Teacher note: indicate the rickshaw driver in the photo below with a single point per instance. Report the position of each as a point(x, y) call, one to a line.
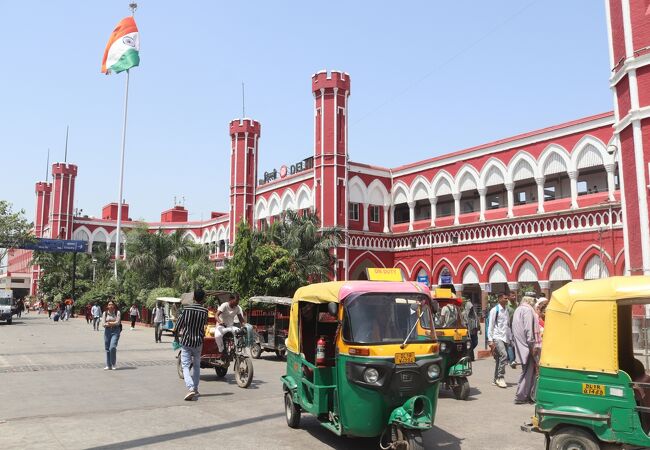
point(226, 314)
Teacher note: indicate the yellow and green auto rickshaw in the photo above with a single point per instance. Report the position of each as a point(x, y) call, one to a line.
point(454, 341)
point(362, 357)
point(593, 385)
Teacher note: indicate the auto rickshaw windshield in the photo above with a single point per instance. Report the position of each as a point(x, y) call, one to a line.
point(382, 318)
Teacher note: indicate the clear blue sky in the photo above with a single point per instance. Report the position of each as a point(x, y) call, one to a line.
point(427, 78)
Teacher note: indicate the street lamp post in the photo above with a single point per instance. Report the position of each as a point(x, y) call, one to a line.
point(94, 263)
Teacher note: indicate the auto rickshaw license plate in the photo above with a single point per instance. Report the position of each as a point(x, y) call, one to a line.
point(405, 358)
point(593, 389)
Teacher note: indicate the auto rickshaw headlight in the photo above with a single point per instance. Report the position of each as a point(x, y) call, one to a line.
point(370, 375)
point(443, 346)
point(433, 371)
point(469, 344)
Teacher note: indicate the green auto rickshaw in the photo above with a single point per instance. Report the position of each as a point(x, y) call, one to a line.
point(362, 357)
point(594, 383)
point(454, 341)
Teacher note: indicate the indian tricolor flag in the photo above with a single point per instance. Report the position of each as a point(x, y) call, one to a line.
point(122, 49)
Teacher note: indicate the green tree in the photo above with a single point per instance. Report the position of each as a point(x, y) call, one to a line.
point(154, 256)
point(15, 229)
point(309, 245)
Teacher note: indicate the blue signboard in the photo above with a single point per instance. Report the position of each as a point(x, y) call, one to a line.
point(58, 246)
point(445, 279)
point(424, 279)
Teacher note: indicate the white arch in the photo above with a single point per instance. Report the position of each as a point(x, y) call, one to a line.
point(274, 205)
point(206, 237)
point(190, 234)
point(303, 197)
point(494, 173)
point(99, 235)
point(357, 190)
point(470, 275)
point(498, 274)
point(401, 193)
point(555, 159)
point(589, 151)
point(82, 234)
point(527, 273)
point(420, 189)
point(522, 166)
point(595, 268)
point(560, 271)
point(261, 209)
point(467, 179)
point(112, 238)
point(213, 235)
point(288, 200)
point(443, 184)
point(222, 235)
point(378, 194)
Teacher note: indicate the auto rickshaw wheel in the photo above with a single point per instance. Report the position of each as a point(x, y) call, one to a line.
point(292, 411)
point(243, 372)
point(221, 371)
point(573, 438)
point(256, 351)
point(414, 439)
point(461, 389)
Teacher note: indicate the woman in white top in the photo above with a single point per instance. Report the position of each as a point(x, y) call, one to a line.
point(112, 328)
point(135, 314)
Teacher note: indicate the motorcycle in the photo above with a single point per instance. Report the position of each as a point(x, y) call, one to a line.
point(235, 342)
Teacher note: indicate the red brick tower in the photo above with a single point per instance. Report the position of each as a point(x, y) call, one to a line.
point(331, 91)
point(62, 200)
point(629, 38)
point(244, 135)
point(42, 214)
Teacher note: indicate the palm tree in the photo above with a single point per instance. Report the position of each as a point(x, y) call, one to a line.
point(155, 255)
point(308, 244)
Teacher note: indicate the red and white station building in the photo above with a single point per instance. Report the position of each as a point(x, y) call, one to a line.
point(562, 203)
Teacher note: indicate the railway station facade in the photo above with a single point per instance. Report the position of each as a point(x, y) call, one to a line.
point(538, 209)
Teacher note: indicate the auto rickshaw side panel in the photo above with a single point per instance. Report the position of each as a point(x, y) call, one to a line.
point(314, 386)
point(606, 404)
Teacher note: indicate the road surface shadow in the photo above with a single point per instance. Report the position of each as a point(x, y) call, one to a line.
point(434, 439)
point(134, 443)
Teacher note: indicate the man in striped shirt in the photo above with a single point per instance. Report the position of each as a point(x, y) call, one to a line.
point(190, 330)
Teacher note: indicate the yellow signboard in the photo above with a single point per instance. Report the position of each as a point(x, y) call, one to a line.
point(384, 274)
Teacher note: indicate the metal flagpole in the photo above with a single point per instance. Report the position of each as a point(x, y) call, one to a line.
point(119, 198)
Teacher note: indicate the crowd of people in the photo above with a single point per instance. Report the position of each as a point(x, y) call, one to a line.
point(514, 336)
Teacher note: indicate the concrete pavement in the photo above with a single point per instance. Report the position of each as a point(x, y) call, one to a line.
point(56, 395)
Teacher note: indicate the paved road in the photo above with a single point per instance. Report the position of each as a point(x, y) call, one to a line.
point(56, 395)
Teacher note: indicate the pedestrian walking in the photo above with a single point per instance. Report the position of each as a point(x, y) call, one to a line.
point(96, 312)
point(134, 314)
point(158, 318)
point(50, 308)
point(512, 306)
point(88, 313)
point(470, 320)
point(499, 338)
point(112, 328)
point(527, 343)
point(20, 306)
point(190, 330)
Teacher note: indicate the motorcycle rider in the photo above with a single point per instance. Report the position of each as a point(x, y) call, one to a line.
point(226, 314)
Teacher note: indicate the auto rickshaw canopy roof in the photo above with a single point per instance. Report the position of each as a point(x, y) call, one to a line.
point(336, 292)
point(270, 300)
point(581, 325)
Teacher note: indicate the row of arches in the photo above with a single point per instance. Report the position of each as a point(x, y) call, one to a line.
point(556, 174)
point(214, 238)
point(290, 200)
